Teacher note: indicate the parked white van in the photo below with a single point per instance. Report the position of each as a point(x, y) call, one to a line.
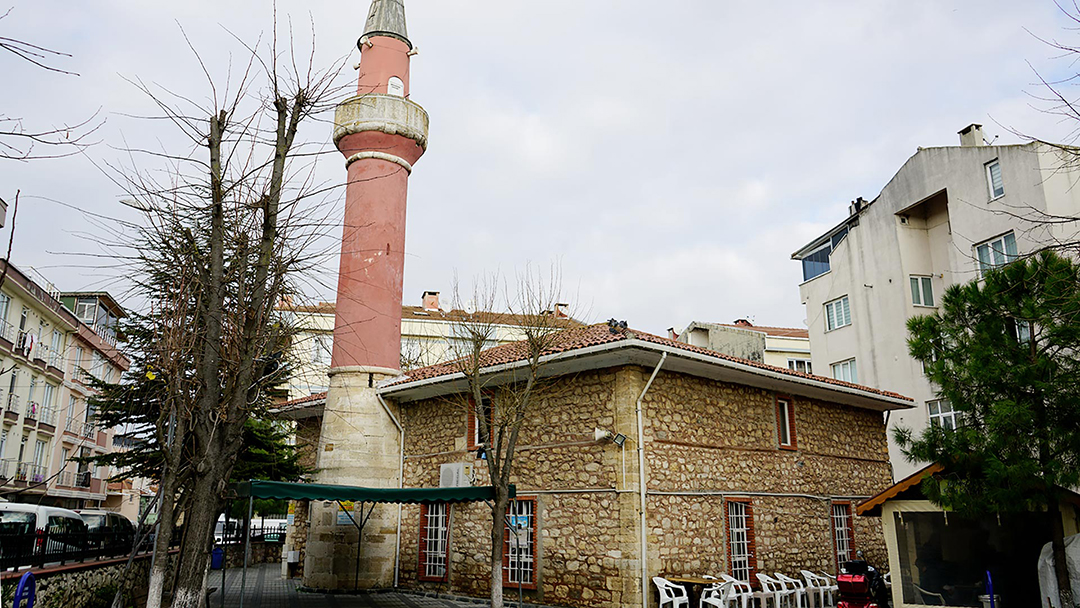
point(28, 531)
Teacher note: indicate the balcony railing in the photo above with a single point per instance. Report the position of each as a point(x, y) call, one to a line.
point(82, 479)
point(73, 426)
point(47, 414)
point(33, 409)
point(30, 472)
point(7, 469)
point(55, 359)
point(8, 331)
point(13, 403)
point(89, 431)
point(66, 479)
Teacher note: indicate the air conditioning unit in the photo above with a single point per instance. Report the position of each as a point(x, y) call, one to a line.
point(456, 475)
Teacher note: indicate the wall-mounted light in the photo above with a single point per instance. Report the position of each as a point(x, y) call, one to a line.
point(617, 438)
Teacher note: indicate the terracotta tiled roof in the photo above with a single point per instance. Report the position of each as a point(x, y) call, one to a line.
point(779, 332)
point(419, 313)
point(301, 402)
point(594, 335)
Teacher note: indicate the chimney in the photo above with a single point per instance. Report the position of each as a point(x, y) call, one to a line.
point(431, 300)
point(671, 334)
point(561, 309)
point(743, 323)
point(971, 135)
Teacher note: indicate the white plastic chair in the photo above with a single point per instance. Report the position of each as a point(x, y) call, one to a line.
point(830, 580)
point(772, 589)
point(741, 593)
point(816, 588)
point(797, 588)
point(670, 593)
point(716, 594)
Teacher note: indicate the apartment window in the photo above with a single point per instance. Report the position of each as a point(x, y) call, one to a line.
point(922, 291)
point(740, 523)
point(80, 352)
point(86, 310)
point(39, 452)
point(785, 423)
point(845, 370)
point(478, 436)
point(5, 306)
point(71, 411)
point(3, 442)
point(320, 351)
point(434, 541)
point(817, 263)
point(942, 414)
point(996, 252)
point(1021, 330)
point(47, 398)
point(24, 317)
point(993, 179)
point(837, 313)
point(519, 548)
point(843, 537)
point(800, 365)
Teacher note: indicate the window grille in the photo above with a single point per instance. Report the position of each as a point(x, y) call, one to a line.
point(740, 536)
point(519, 550)
point(435, 541)
point(842, 533)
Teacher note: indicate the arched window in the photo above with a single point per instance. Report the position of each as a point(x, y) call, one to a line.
point(395, 86)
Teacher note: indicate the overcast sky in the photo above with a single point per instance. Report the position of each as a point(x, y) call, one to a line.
point(669, 155)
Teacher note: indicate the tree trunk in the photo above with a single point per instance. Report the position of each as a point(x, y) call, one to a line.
point(1057, 548)
point(201, 517)
point(498, 529)
point(161, 542)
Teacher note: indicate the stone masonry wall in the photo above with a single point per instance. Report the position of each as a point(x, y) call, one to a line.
point(79, 585)
point(704, 440)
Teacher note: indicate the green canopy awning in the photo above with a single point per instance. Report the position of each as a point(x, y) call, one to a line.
point(319, 491)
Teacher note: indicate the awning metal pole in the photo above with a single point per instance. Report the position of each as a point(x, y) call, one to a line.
point(247, 547)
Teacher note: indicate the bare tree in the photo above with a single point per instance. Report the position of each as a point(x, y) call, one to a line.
point(227, 229)
point(501, 403)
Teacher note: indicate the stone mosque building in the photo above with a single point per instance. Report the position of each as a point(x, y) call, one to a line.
point(646, 456)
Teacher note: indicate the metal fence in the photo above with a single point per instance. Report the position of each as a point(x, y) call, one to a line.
point(19, 549)
point(234, 534)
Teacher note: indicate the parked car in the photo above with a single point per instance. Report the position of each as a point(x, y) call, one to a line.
point(29, 530)
point(109, 531)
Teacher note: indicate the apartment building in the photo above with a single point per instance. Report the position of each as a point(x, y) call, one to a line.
point(45, 348)
point(948, 215)
point(427, 337)
point(778, 346)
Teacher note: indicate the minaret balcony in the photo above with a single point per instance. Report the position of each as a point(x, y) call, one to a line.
point(388, 114)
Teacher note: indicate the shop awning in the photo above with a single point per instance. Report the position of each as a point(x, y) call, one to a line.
point(318, 491)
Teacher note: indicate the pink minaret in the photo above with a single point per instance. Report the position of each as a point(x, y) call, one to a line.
point(381, 134)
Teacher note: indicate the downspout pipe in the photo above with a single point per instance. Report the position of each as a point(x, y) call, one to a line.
point(401, 484)
point(641, 484)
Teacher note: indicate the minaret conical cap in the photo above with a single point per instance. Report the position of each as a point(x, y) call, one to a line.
point(387, 18)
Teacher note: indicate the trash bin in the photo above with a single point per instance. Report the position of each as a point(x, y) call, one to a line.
point(985, 599)
point(217, 558)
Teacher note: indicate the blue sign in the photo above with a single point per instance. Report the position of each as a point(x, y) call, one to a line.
point(25, 591)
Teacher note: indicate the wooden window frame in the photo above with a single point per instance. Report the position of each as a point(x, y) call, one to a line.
point(851, 530)
point(751, 541)
point(421, 571)
point(783, 402)
point(472, 425)
point(531, 585)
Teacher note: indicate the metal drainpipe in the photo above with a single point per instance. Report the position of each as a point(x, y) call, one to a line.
point(401, 484)
point(641, 485)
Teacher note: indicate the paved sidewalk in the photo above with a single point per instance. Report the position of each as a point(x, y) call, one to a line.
point(266, 589)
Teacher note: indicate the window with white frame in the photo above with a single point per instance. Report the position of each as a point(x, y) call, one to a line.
point(837, 313)
point(845, 370)
point(3, 442)
point(922, 291)
point(785, 423)
point(996, 252)
point(519, 550)
point(740, 522)
point(800, 365)
point(993, 179)
point(40, 448)
point(842, 533)
point(434, 541)
point(5, 306)
point(1021, 330)
point(942, 414)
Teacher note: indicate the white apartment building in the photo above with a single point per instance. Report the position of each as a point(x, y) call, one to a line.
point(779, 346)
point(948, 214)
point(45, 350)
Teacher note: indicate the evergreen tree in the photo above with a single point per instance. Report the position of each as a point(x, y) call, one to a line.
point(1004, 352)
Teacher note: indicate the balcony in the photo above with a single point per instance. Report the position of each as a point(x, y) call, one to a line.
point(13, 402)
point(82, 479)
point(33, 409)
point(7, 469)
point(73, 426)
point(29, 472)
point(8, 331)
point(47, 415)
point(89, 431)
point(66, 479)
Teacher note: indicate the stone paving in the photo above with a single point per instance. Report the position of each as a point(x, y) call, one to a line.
point(266, 589)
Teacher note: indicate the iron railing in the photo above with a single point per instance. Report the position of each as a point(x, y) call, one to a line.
point(29, 472)
point(21, 547)
point(33, 409)
point(13, 403)
point(73, 426)
point(7, 469)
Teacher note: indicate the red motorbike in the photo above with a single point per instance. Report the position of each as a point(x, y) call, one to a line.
point(859, 585)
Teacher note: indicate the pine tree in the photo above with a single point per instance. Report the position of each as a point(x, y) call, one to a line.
point(1004, 351)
